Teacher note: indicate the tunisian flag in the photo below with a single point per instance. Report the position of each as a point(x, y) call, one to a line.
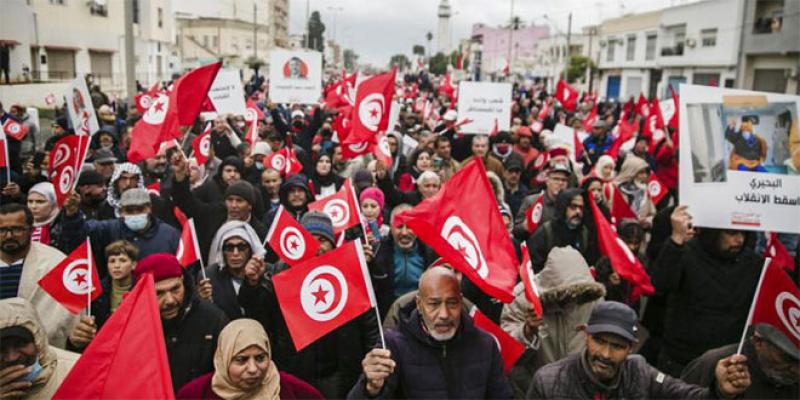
point(622, 260)
point(289, 240)
point(14, 129)
point(371, 111)
point(462, 223)
point(180, 108)
point(71, 281)
point(656, 189)
point(127, 359)
point(527, 276)
point(144, 100)
point(342, 207)
point(533, 216)
point(510, 349)
point(64, 163)
point(619, 206)
point(4, 160)
point(777, 251)
point(323, 293)
point(567, 95)
point(202, 146)
point(777, 302)
point(188, 248)
point(283, 161)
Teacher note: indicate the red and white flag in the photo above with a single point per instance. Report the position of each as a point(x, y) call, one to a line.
point(188, 248)
point(642, 106)
point(533, 215)
point(620, 256)
point(160, 122)
point(74, 282)
point(577, 144)
point(619, 206)
point(4, 160)
point(145, 100)
point(656, 189)
point(778, 253)
point(545, 111)
point(777, 303)
point(673, 122)
point(527, 276)
point(323, 293)
point(15, 129)
point(371, 111)
point(341, 207)
point(353, 150)
point(567, 95)
point(381, 149)
point(462, 223)
point(590, 119)
point(154, 188)
point(202, 146)
point(627, 131)
point(64, 163)
point(289, 240)
point(283, 161)
point(510, 349)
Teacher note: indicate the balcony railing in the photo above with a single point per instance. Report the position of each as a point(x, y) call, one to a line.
point(676, 50)
point(766, 25)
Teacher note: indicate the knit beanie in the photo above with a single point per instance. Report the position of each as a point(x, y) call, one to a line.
point(161, 265)
point(242, 189)
point(372, 193)
point(319, 223)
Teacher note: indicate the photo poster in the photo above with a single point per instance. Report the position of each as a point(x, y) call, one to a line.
point(483, 103)
point(295, 76)
point(564, 135)
point(79, 107)
point(740, 158)
point(227, 94)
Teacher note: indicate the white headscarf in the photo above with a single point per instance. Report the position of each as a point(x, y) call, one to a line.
point(231, 229)
point(48, 191)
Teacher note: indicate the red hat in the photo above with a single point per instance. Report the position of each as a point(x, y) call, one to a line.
point(161, 265)
point(558, 151)
point(524, 131)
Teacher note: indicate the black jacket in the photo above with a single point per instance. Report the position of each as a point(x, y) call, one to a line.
point(381, 271)
point(223, 292)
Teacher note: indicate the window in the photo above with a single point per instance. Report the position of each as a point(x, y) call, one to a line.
point(705, 79)
point(98, 7)
point(708, 37)
point(160, 17)
point(610, 55)
point(58, 2)
point(768, 17)
point(650, 50)
point(135, 11)
point(674, 38)
point(630, 51)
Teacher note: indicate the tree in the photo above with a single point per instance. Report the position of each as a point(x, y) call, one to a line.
point(316, 28)
point(438, 63)
point(577, 67)
point(401, 61)
point(418, 50)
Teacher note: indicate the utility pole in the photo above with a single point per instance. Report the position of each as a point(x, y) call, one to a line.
point(308, 33)
point(255, 31)
point(566, 56)
point(510, 38)
point(589, 60)
point(130, 62)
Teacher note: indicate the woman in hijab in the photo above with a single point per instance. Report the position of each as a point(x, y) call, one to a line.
point(326, 182)
point(604, 168)
point(632, 183)
point(243, 369)
point(47, 225)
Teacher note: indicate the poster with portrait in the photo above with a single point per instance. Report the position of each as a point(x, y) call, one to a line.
point(485, 103)
point(740, 158)
point(295, 76)
point(80, 108)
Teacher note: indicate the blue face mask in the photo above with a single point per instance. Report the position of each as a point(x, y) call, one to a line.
point(136, 223)
point(36, 369)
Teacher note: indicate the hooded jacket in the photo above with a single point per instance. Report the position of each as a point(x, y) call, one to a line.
point(55, 362)
point(296, 180)
point(110, 208)
point(568, 294)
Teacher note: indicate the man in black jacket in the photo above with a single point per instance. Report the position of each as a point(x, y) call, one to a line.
point(191, 326)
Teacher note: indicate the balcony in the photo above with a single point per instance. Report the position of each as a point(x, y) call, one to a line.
point(767, 25)
point(676, 50)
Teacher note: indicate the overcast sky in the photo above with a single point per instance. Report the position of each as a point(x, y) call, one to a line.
point(377, 29)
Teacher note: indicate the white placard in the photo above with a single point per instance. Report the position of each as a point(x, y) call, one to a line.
point(295, 76)
point(483, 103)
point(227, 93)
point(736, 165)
point(80, 108)
point(564, 136)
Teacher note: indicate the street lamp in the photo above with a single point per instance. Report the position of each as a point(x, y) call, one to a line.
point(335, 11)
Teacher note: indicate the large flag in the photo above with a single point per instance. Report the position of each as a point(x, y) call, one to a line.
point(64, 164)
point(289, 240)
point(372, 108)
point(128, 358)
point(777, 302)
point(188, 247)
point(510, 349)
point(778, 253)
point(462, 223)
point(341, 207)
point(656, 189)
point(15, 129)
point(567, 95)
point(202, 146)
point(527, 276)
point(621, 258)
point(533, 215)
point(74, 282)
point(323, 293)
point(161, 121)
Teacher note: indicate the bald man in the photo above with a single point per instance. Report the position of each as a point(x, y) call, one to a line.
point(435, 352)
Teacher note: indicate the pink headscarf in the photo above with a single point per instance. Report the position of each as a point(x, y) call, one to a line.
point(375, 194)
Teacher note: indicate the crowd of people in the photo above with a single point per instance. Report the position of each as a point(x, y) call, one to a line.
point(226, 336)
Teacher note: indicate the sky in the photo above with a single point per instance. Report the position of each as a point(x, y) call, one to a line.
point(378, 29)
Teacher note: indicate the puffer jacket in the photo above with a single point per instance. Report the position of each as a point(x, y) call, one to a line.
point(568, 294)
point(55, 362)
point(468, 366)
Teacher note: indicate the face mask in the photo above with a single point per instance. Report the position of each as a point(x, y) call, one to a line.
point(36, 369)
point(136, 223)
point(502, 148)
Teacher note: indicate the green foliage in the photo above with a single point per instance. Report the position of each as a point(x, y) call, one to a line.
point(577, 67)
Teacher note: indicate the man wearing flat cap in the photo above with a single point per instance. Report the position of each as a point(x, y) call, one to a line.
point(607, 369)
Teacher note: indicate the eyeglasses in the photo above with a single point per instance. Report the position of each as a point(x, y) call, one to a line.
point(242, 247)
point(14, 230)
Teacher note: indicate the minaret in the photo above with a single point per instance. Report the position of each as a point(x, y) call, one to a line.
point(444, 27)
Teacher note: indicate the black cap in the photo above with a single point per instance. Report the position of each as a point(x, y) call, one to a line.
point(513, 163)
point(16, 331)
point(613, 317)
point(777, 338)
point(91, 177)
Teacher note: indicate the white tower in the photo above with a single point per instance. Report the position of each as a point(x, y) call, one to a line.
point(443, 35)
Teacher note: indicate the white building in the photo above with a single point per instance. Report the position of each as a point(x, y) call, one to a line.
point(443, 33)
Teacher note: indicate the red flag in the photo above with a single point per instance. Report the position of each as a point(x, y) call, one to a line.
point(619, 206)
point(446, 88)
point(154, 188)
point(673, 122)
point(15, 129)
point(626, 132)
point(290, 241)
point(381, 150)
point(527, 276)
point(533, 215)
point(576, 140)
point(462, 223)
point(371, 111)
point(64, 163)
point(778, 253)
point(188, 247)
point(354, 150)
point(510, 349)
point(252, 111)
point(145, 100)
point(283, 161)
point(202, 146)
point(777, 302)
point(161, 121)
point(590, 119)
point(179, 215)
point(341, 124)
point(71, 281)
point(622, 260)
point(656, 189)
point(341, 207)
point(4, 160)
point(128, 358)
point(323, 293)
point(642, 106)
point(545, 111)
point(567, 95)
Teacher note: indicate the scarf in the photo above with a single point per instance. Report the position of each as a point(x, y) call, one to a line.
point(48, 191)
point(231, 229)
point(234, 338)
point(113, 197)
point(118, 289)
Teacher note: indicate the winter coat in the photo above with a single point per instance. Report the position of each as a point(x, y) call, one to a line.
point(568, 294)
point(395, 196)
point(212, 191)
point(56, 363)
point(548, 213)
point(570, 379)
point(223, 292)
point(382, 270)
point(468, 366)
point(291, 388)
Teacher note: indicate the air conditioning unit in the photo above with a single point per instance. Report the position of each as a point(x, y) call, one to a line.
point(690, 43)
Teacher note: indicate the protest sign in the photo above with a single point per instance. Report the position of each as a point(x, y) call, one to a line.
point(80, 108)
point(565, 136)
point(739, 158)
point(484, 103)
point(295, 76)
point(227, 94)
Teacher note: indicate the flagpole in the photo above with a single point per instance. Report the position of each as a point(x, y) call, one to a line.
point(753, 305)
point(380, 326)
point(8, 161)
point(197, 248)
point(89, 261)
